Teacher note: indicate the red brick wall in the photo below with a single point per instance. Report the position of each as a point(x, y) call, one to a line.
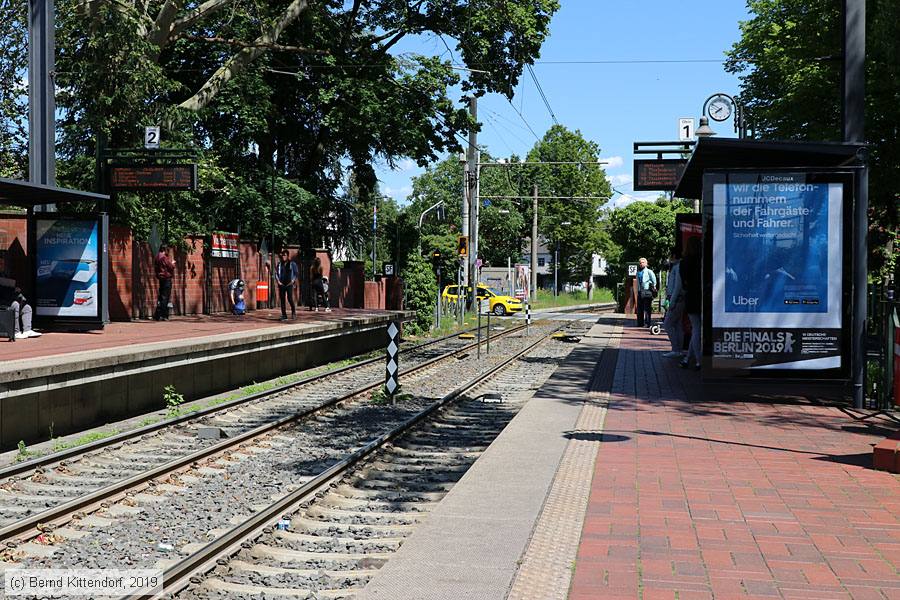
point(189, 284)
point(14, 250)
point(121, 273)
point(133, 287)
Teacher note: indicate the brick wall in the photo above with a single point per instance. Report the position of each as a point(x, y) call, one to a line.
point(121, 273)
point(14, 250)
point(200, 283)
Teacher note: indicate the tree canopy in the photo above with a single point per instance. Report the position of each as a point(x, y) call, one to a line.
point(306, 92)
point(789, 62)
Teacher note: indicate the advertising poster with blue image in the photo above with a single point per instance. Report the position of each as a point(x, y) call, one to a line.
point(777, 271)
point(67, 265)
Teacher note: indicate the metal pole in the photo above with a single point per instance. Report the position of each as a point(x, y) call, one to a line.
point(534, 234)
point(854, 96)
point(41, 93)
point(437, 306)
point(489, 333)
point(478, 345)
point(272, 282)
point(472, 232)
point(556, 271)
point(374, 237)
point(464, 226)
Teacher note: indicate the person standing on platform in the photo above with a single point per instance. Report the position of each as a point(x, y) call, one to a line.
point(691, 282)
point(646, 284)
point(672, 322)
point(287, 275)
point(319, 284)
point(165, 271)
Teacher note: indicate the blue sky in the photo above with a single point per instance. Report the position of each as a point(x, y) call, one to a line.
point(612, 104)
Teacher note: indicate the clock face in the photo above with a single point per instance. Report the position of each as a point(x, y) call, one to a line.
point(719, 108)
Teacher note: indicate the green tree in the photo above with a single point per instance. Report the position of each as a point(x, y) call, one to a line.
point(421, 291)
point(571, 220)
point(642, 229)
point(789, 63)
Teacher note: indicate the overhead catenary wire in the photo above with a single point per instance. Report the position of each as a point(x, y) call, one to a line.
point(540, 90)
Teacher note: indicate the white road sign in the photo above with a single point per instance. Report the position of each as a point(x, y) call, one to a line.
point(686, 129)
point(151, 137)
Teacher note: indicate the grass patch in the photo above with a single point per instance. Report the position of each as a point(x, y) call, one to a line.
point(59, 445)
point(380, 396)
point(546, 299)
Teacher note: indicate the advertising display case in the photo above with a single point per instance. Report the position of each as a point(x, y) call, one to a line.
point(71, 270)
point(776, 278)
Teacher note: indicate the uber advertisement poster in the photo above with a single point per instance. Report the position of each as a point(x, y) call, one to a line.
point(67, 260)
point(777, 272)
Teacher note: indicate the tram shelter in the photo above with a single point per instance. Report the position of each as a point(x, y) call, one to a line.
point(64, 270)
point(784, 257)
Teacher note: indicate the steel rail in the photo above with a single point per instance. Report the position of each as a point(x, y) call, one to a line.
point(55, 457)
point(57, 515)
point(179, 575)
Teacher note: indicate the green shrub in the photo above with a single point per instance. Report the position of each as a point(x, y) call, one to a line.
point(421, 290)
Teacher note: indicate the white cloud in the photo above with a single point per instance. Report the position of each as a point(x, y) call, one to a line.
point(621, 179)
point(407, 164)
point(397, 193)
point(626, 199)
point(613, 162)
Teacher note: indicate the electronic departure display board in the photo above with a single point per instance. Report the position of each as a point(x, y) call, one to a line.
point(153, 177)
point(658, 174)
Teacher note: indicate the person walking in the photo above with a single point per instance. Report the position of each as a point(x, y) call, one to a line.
point(672, 323)
point(689, 270)
point(165, 271)
point(646, 284)
point(319, 285)
point(287, 275)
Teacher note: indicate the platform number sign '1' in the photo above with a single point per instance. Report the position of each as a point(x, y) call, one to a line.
point(391, 374)
point(685, 129)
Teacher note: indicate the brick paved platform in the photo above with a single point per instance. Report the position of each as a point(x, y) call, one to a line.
point(698, 496)
point(126, 334)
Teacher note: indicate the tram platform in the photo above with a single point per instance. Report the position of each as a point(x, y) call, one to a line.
point(626, 477)
point(70, 381)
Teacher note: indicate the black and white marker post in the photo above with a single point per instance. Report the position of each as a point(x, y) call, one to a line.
point(527, 316)
point(391, 373)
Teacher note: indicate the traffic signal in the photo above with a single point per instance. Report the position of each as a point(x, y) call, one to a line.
point(462, 245)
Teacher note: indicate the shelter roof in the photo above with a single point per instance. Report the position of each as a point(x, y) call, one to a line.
point(731, 153)
point(27, 195)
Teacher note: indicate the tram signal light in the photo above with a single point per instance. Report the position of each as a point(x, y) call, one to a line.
point(462, 245)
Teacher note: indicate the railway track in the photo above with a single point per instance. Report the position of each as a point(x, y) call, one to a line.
point(46, 492)
point(169, 518)
point(342, 525)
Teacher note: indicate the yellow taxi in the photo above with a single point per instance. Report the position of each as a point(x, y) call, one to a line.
point(499, 304)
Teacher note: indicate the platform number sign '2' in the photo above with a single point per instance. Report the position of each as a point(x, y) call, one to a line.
point(391, 374)
point(151, 137)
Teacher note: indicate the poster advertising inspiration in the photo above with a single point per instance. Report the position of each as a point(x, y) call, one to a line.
point(777, 272)
point(67, 261)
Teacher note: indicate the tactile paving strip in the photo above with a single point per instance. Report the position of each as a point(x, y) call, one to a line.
point(547, 566)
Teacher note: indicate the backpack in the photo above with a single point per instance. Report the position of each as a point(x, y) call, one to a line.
point(240, 307)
